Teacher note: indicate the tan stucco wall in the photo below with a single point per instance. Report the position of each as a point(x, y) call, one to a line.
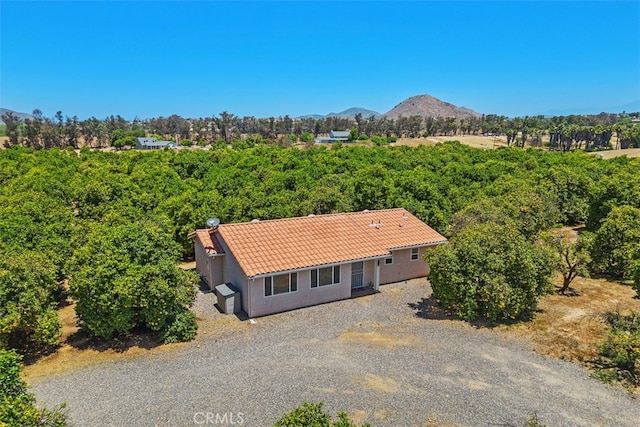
point(215, 271)
point(232, 273)
point(210, 268)
point(403, 268)
point(202, 266)
point(305, 295)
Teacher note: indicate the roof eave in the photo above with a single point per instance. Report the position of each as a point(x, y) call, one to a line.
point(419, 245)
point(312, 267)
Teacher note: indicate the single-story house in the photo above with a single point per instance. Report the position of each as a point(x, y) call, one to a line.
point(153, 144)
point(335, 135)
point(284, 264)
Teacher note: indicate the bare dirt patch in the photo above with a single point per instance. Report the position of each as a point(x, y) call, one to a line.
point(475, 141)
point(376, 382)
point(572, 327)
point(378, 338)
point(607, 154)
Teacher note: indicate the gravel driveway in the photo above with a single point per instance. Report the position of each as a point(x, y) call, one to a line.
point(370, 356)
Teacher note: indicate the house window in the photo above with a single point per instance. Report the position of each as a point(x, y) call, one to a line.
point(280, 284)
point(325, 276)
point(388, 261)
point(415, 254)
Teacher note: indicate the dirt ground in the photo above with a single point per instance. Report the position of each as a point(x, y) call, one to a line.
point(570, 327)
point(470, 140)
point(629, 152)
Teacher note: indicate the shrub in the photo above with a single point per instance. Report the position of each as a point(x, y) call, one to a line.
point(378, 140)
point(239, 144)
point(125, 276)
point(28, 298)
point(182, 327)
point(490, 271)
point(186, 143)
point(17, 407)
point(620, 353)
point(616, 242)
point(312, 415)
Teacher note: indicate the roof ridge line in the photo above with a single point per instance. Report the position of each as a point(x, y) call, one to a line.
point(254, 221)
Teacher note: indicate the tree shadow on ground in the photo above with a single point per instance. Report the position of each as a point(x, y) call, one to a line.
point(30, 350)
point(140, 337)
point(430, 309)
point(569, 292)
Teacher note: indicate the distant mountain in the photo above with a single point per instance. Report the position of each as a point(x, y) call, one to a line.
point(21, 116)
point(428, 106)
point(350, 112)
point(311, 116)
point(631, 107)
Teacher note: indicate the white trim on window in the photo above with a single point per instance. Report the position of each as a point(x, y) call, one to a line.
point(415, 254)
point(388, 260)
point(273, 285)
point(325, 276)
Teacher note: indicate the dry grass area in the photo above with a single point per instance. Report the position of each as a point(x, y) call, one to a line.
point(379, 338)
point(77, 350)
point(376, 382)
point(470, 140)
point(607, 154)
point(571, 327)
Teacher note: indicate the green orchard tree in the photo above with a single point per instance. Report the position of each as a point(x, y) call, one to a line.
point(28, 298)
point(127, 275)
point(490, 271)
point(17, 405)
point(616, 244)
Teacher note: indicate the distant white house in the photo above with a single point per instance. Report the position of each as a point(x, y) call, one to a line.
point(153, 144)
point(335, 135)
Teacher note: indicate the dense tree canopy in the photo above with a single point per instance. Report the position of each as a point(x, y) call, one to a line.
point(78, 209)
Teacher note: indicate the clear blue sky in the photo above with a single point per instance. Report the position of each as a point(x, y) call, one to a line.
point(199, 58)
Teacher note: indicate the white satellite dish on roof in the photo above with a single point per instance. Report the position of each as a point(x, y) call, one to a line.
point(213, 222)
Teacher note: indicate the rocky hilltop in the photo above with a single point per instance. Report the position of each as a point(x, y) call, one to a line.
point(428, 106)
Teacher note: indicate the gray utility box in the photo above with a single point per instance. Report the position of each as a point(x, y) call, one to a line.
point(228, 298)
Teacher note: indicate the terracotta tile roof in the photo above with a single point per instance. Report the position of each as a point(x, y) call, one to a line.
point(209, 241)
point(263, 247)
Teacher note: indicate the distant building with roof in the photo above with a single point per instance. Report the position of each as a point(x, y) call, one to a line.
point(334, 136)
point(284, 264)
point(153, 144)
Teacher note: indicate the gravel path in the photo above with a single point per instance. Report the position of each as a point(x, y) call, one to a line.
point(370, 356)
